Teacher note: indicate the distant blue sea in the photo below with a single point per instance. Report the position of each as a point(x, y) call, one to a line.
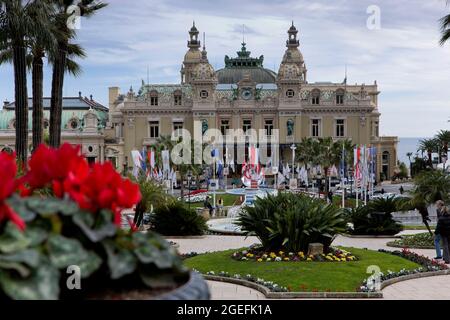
point(406, 145)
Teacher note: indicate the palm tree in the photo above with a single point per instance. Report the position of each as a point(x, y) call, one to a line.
point(443, 138)
point(429, 146)
point(15, 25)
point(87, 9)
point(41, 42)
point(445, 29)
point(431, 186)
point(40, 45)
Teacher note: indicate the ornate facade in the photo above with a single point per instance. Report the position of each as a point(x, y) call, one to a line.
point(242, 95)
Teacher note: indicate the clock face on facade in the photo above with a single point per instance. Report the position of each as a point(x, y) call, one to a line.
point(246, 94)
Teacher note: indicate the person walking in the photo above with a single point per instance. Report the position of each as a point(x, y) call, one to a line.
point(220, 206)
point(208, 205)
point(440, 205)
point(401, 190)
point(330, 196)
point(443, 229)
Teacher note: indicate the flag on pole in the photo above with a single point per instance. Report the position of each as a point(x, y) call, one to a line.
point(281, 179)
point(137, 159)
point(174, 178)
point(151, 158)
point(165, 160)
point(144, 160)
point(254, 156)
point(232, 166)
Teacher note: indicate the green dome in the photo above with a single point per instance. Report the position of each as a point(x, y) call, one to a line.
point(236, 68)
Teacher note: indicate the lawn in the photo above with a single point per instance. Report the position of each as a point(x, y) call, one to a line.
point(418, 227)
point(304, 276)
point(228, 200)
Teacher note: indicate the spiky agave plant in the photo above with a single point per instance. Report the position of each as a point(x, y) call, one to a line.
point(291, 222)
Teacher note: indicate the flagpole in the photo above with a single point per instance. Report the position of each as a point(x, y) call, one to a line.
point(214, 178)
point(342, 176)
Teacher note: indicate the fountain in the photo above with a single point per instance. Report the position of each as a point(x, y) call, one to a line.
point(227, 225)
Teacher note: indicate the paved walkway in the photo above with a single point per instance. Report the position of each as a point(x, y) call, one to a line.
point(424, 288)
point(229, 291)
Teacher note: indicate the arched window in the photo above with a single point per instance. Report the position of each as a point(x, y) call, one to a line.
point(340, 97)
point(154, 98)
point(177, 100)
point(290, 93)
point(315, 97)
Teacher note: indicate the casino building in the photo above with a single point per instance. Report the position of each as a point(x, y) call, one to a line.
point(242, 95)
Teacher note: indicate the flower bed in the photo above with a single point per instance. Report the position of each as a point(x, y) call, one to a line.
point(427, 265)
point(195, 196)
point(419, 241)
point(273, 287)
point(256, 253)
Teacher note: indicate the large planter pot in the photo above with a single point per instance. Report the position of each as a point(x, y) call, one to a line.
point(195, 289)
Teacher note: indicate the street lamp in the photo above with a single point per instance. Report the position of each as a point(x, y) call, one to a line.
point(189, 176)
point(293, 148)
point(319, 182)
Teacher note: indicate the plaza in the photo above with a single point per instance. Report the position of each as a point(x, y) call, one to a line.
point(278, 172)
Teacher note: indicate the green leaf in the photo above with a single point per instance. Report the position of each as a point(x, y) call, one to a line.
point(95, 230)
point(30, 257)
point(21, 269)
point(42, 284)
point(50, 206)
point(13, 239)
point(120, 261)
point(64, 252)
point(150, 248)
point(36, 235)
point(20, 207)
point(89, 265)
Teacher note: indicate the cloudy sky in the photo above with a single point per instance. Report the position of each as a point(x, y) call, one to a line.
point(404, 56)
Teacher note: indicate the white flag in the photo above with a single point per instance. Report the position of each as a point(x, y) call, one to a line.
point(165, 160)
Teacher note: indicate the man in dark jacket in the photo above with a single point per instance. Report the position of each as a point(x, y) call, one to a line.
point(443, 229)
point(440, 206)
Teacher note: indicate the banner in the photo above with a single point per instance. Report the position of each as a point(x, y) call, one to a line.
point(165, 160)
point(151, 158)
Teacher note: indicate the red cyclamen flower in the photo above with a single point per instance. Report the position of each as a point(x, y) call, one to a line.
point(50, 166)
point(101, 187)
point(8, 185)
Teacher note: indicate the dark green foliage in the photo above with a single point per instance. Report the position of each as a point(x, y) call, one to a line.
point(175, 219)
point(291, 222)
point(375, 218)
point(33, 264)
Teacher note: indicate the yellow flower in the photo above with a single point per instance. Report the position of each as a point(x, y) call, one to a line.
point(309, 259)
point(259, 260)
point(281, 253)
point(286, 259)
point(301, 253)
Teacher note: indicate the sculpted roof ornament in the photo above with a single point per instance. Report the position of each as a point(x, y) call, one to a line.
point(244, 59)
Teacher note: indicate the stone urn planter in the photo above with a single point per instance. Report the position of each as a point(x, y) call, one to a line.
point(195, 289)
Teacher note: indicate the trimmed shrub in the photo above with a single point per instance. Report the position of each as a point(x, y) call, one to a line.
point(176, 219)
point(375, 218)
